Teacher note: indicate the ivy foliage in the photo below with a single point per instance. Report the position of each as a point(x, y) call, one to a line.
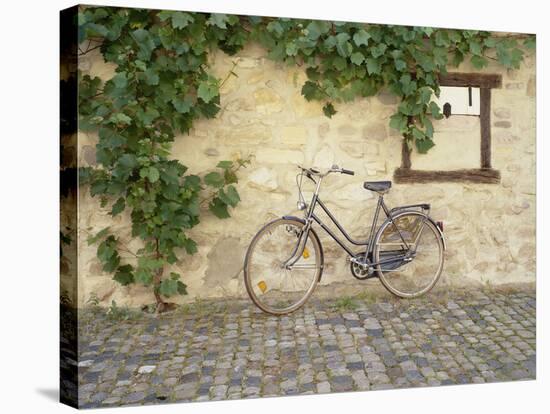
point(162, 85)
point(346, 61)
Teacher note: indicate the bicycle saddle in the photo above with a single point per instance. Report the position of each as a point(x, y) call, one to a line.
point(378, 186)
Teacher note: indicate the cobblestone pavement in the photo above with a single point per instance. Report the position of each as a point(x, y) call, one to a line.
point(231, 350)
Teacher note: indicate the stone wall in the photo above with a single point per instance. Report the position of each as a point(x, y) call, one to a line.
point(490, 228)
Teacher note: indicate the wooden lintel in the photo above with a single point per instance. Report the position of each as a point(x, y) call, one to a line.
point(477, 80)
point(474, 175)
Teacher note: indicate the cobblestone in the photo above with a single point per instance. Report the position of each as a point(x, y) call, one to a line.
point(243, 353)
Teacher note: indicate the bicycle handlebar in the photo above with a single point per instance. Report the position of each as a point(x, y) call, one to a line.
point(333, 169)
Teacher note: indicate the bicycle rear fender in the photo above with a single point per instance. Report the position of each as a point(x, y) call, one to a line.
point(314, 233)
point(401, 211)
point(441, 235)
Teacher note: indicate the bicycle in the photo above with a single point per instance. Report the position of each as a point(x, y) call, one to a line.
point(284, 261)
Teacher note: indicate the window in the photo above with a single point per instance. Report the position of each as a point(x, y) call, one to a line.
point(466, 100)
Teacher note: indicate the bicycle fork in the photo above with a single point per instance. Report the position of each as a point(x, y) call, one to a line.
point(299, 248)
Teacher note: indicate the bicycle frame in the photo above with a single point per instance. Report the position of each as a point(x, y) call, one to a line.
point(311, 217)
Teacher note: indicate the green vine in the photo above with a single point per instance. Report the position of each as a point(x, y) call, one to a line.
point(162, 85)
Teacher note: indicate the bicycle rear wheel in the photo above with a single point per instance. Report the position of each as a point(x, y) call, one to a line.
point(272, 287)
point(404, 274)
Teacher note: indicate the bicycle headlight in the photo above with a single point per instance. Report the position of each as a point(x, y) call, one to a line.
point(301, 205)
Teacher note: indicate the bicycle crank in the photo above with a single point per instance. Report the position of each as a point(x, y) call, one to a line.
point(361, 268)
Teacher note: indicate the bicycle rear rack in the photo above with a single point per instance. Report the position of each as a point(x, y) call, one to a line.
point(423, 207)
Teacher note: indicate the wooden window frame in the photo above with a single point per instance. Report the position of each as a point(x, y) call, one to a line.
point(485, 174)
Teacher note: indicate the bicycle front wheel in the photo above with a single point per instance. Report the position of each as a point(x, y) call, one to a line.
point(272, 286)
point(409, 253)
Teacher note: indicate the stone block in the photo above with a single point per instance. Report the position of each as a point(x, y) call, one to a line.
point(88, 154)
point(376, 131)
point(240, 104)
point(387, 98)
point(506, 137)
point(323, 129)
point(305, 108)
point(294, 136)
point(252, 134)
point(225, 261)
point(264, 179)
point(347, 130)
point(376, 167)
point(353, 192)
point(502, 113)
point(277, 156)
point(268, 101)
point(211, 152)
point(355, 149)
point(256, 78)
point(324, 158)
point(515, 85)
point(248, 62)
point(502, 124)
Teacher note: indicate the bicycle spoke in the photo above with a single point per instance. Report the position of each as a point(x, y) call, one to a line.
point(303, 266)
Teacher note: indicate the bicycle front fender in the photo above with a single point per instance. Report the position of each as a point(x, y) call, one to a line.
point(301, 220)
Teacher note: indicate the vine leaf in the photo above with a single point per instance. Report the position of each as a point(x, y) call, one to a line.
point(124, 275)
point(400, 65)
point(168, 287)
point(343, 46)
point(361, 37)
point(479, 62)
point(120, 80)
point(145, 43)
point(190, 246)
point(144, 276)
point(180, 20)
point(373, 66)
point(151, 173)
point(214, 179)
point(218, 208)
point(207, 90)
point(118, 207)
point(424, 145)
point(99, 235)
point(151, 77)
point(230, 196)
point(317, 28)
point(357, 58)
point(225, 164)
point(219, 20)
point(184, 105)
point(329, 110)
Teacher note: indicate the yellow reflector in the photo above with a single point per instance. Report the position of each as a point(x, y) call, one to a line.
point(262, 286)
point(305, 254)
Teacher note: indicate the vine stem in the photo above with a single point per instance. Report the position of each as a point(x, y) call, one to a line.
point(229, 75)
point(157, 278)
point(88, 50)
